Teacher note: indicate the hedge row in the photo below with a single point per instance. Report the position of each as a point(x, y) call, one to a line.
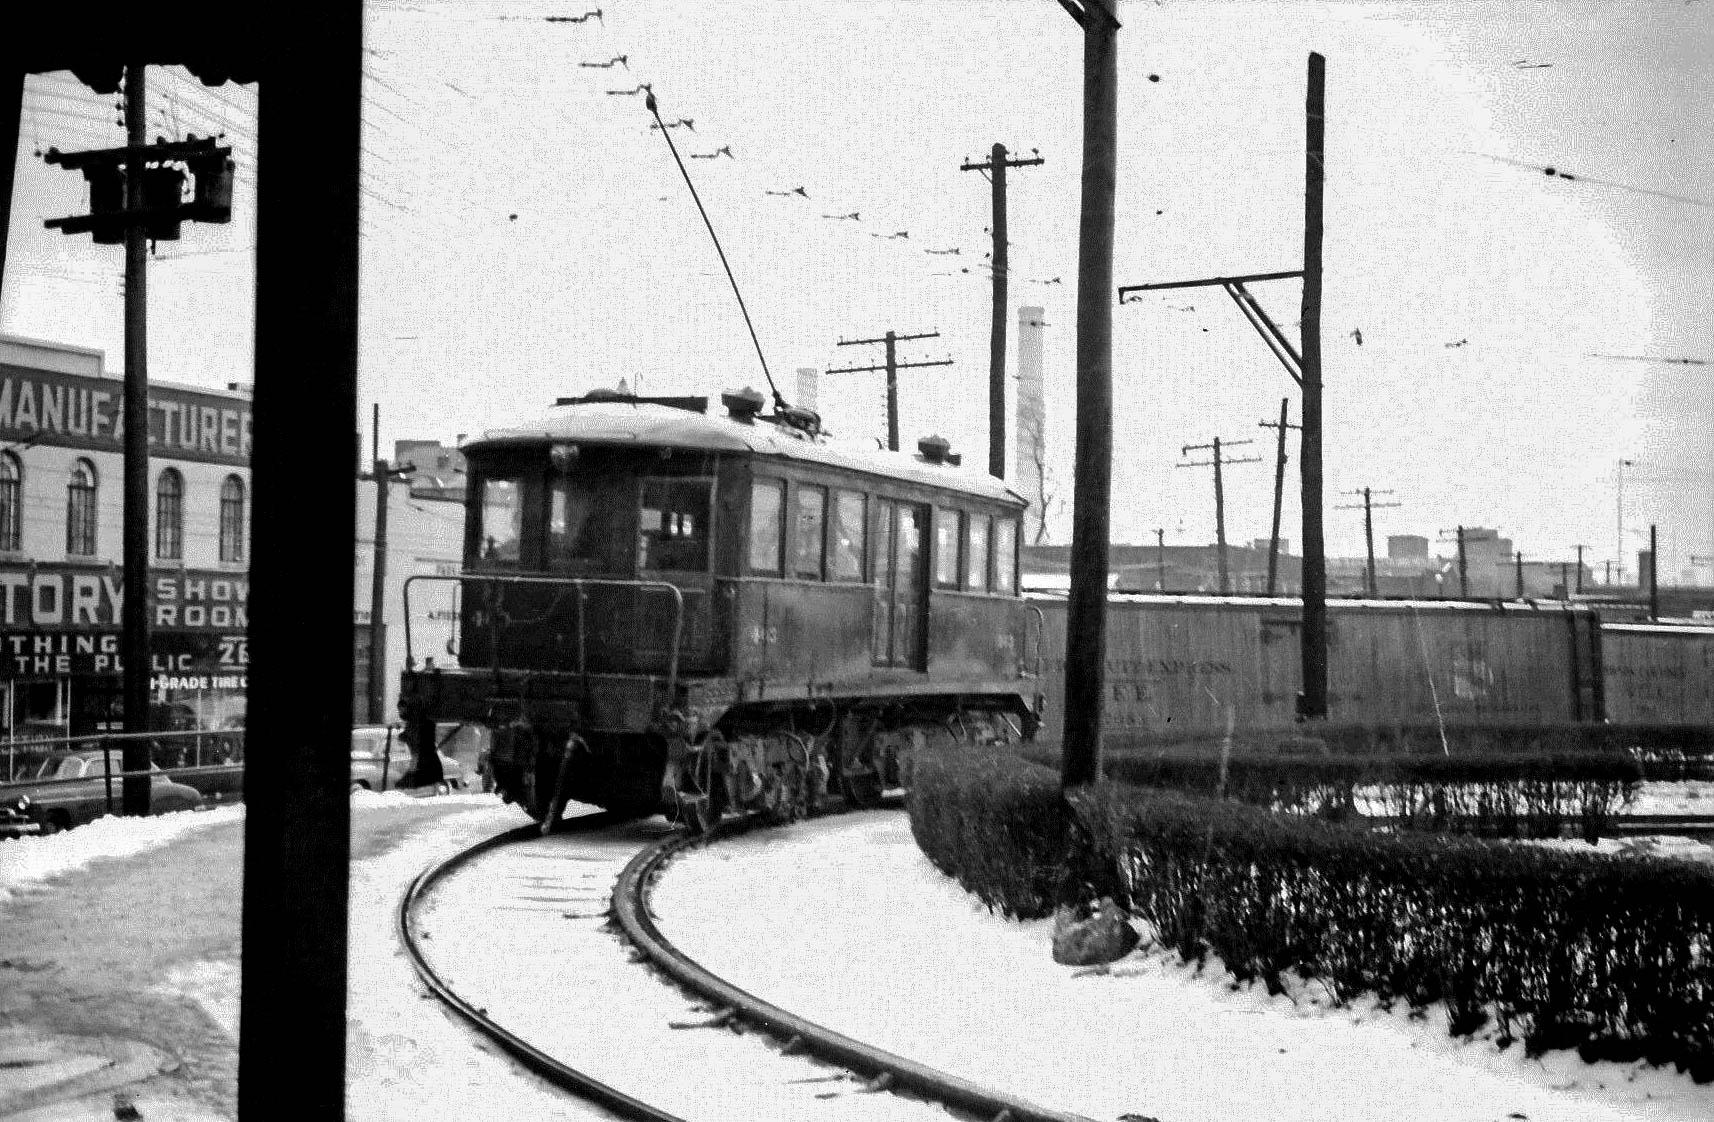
point(1537, 795)
point(1612, 956)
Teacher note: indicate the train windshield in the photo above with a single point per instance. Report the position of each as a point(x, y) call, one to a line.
point(673, 533)
point(590, 518)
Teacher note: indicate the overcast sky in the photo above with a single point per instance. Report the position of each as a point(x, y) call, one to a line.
point(1481, 286)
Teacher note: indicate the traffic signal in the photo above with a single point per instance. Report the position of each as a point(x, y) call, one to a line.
point(213, 172)
point(106, 197)
point(163, 190)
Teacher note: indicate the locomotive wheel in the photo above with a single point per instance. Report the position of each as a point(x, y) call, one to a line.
point(860, 783)
point(695, 813)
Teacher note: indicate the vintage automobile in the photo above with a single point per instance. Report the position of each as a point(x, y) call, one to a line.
point(375, 748)
point(73, 788)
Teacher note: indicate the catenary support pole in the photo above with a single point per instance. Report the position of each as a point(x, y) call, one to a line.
point(378, 584)
point(1086, 608)
point(996, 166)
point(1312, 705)
point(134, 552)
point(297, 825)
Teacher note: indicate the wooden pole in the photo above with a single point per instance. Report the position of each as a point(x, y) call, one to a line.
point(1312, 704)
point(1086, 608)
point(134, 614)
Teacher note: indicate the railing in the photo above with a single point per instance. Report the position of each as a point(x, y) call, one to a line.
point(497, 617)
point(167, 752)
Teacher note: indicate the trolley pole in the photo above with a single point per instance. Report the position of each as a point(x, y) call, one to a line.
point(1313, 703)
point(1086, 607)
point(134, 616)
point(1279, 490)
point(1219, 498)
point(892, 366)
point(995, 168)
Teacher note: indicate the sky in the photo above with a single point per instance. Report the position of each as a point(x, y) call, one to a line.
point(527, 235)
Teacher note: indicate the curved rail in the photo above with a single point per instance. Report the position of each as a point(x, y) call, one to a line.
point(554, 1071)
point(885, 1069)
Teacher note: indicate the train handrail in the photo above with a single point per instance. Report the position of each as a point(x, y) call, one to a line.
point(578, 585)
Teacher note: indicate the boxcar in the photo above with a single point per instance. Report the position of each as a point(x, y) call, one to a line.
point(662, 608)
point(1187, 668)
point(1659, 675)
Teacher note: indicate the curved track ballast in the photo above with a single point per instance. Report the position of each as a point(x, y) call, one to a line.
point(520, 935)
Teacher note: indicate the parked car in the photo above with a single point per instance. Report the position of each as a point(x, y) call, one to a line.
point(376, 746)
point(70, 789)
point(14, 818)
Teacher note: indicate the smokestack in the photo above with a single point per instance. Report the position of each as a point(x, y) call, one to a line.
point(807, 379)
point(1031, 438)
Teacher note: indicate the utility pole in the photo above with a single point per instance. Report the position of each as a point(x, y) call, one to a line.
point(1368, 509)
point(1086, 606)
point(1463, 566)
point(995, 169)
point(1579, 549)
point(1160, 559)
point(135, 198)
point(1619, 503)
point(1313, 705)
point(1654, 571)
point(383, 475)
point(892, 366)
point(1219, 498)
point(1520, 578)
point(1279, 490)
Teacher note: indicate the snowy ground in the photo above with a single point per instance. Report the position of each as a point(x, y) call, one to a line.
point(843, 921)
point(848, 924)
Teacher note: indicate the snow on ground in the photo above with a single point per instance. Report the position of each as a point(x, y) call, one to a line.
point(27, 859)
point(848, 924)
point(1691, 796)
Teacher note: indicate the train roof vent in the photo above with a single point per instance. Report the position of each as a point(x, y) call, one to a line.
point(936, 449)
point(742, 405)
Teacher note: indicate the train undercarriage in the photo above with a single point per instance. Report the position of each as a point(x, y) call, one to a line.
point(696, 763)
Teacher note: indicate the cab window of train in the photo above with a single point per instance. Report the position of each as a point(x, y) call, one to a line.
point(976, 555)
point(587, 524)
point(767, 525)
point(809, 543)
point(673, 534)
point(502, 528)
point(1005, 556)
point(948, 536)
point(850, 535)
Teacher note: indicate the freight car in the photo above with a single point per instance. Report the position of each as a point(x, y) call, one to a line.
point(1185, 669)
point(663, 609)
point(1659, 676)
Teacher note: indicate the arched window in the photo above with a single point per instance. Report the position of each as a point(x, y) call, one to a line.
point(11, 502)
point(169, 516)
point(232, 519)
point(80, 510)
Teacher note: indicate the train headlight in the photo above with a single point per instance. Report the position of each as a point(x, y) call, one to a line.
point(563, 457)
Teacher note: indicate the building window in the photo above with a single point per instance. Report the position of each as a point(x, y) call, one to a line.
point(169, 516)
point(11, 502)
point(850, 535)
point(232, 519)
point(1005, 556)
point(767, 525)
point(80, 510)
point(809, 541)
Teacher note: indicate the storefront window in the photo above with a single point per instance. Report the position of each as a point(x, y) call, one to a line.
point(11, 502)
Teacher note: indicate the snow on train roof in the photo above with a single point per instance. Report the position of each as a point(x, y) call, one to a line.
point(663, 426)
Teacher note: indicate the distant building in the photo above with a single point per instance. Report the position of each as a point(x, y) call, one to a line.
point(61, 523)
point(1407, 547)
point(436, 471)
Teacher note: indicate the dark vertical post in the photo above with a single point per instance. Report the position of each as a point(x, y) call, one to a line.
point(134, 616)
point(378, 585)
point(1313, 703)
point(892, 393)
point(1160, 562)
point(1086, 608)
point(1579, 570)
point(1463, 568)
point(11, 108)
point(1369, 539)
point(997, 333)
point(1564, 582)
point(1520, 579)
point(297, 767)
point(1220, 524)
point(1279, 501)
point(1654, 570)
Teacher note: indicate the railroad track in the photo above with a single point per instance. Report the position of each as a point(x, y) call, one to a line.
point(558, 980)
point(1699, 826)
